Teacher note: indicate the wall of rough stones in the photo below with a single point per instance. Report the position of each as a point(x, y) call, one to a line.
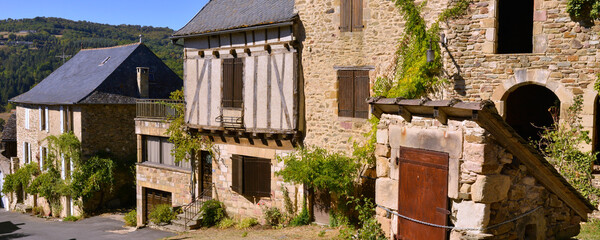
point(240, 206)
point(109, 128)
point(487, 185)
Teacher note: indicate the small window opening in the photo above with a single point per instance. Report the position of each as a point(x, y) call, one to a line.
point(104, 61)
point(515, 26)
point(530, 232)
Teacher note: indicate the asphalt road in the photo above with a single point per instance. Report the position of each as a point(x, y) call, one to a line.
point(24, 227)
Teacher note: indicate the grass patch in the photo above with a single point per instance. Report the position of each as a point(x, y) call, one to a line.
point(590, 230)
point(70, 219)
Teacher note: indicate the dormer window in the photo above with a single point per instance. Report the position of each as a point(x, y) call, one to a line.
point(351, 15)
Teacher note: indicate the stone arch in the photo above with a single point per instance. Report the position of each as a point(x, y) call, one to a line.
point(530, 76)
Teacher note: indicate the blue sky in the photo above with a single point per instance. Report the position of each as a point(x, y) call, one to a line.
point(154, 13)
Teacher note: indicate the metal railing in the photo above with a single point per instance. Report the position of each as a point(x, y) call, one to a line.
point(192, 210)
point(156, 108)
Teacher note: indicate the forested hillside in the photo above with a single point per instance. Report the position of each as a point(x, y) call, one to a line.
point(30, 49)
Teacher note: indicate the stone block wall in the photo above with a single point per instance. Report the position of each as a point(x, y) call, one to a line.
point(109, 128)
point(240, 206)
point(164, 178)
point(486, 184)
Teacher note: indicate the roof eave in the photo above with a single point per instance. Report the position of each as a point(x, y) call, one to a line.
point(288, 22)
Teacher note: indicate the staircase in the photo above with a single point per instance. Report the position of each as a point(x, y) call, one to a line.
point(189, 218)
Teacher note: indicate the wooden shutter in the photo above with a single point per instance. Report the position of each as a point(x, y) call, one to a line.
point(236, 173)
point(345, 93)
point(345, 15)
point(357, 15)
point(228, 69)
point(257, 177)
point(361, 93)
point(238, 82)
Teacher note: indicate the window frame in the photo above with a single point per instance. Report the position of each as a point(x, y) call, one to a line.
point(161, 153)
point(233, 83)
point(351, 16)
point(247, 177)
point(351, 102)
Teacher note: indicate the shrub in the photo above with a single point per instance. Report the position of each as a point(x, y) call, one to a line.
point(273, 216)
point(303, 218)
point(131, 218)
point(162, 213)
point(247, 223)
point(70, 219)
point(226, 223)
point(37, 211)
point(211, 212)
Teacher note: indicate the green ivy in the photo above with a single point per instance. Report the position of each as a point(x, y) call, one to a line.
point(585, 11)
point(20, 179)
point(560, 144)
point(185, 142)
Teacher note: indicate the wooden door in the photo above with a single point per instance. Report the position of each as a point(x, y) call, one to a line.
point(154, 198)
point(205, 166)
point(423, 191)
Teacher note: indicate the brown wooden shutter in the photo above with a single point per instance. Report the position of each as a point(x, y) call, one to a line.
point(257, 177)
point(236, 173)
point(361, 93)
point(238, 82)
point(228, 69)
point(345, 15)
point(357, 15)
point(345, 93)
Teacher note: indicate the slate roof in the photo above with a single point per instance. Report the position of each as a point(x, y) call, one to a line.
point(9, 134)
point(219, 15)
point(486, 115)
point(103, 76)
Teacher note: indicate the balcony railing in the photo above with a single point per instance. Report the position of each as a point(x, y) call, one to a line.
point(156, 108)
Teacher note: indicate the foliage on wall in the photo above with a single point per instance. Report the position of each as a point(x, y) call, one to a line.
point(560, 145)
point(585, 11)
point(185, 142)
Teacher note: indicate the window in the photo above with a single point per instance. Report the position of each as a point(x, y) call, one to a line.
point(353, 92)
point(351, 15)
point(158, 150)
point(43, 112)
point(26, 152)
point(251, 176)
point(26, 118)
point(43, 157)
point(233, 82)
point(66, 119)
point(515, 26)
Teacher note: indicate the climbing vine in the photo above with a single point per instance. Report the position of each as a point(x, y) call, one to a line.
point(185, 142)
point(414, 76)
point(585, 11)
point(560, 144)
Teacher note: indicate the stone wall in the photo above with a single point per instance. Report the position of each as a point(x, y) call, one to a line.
point(325, 48)
point(164, 178)
point(486, 184)
point(109, 128)
point(240, 206)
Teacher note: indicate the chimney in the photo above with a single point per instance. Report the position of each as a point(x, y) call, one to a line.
point(142, 81)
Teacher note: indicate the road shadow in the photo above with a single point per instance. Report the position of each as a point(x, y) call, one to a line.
point(13, 236)
point(8, 227)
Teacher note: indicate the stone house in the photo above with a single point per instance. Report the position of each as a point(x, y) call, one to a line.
point(93, 96)
point(242, 91)
point(8, 150)
point(460, 164)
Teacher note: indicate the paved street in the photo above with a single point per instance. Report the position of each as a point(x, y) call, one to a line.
point(25, 227)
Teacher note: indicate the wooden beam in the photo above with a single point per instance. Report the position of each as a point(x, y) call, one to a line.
point(440, 115)
point(536, 163)
point(404, 113)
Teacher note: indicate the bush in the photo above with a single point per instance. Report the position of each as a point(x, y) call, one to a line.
point(162, 213)
point(226, 223)
point(70, 219)
point(302, 219)
point(131, 218)
point(273, 216)
point(37, 211)
point(247, 223)
point(211, 212)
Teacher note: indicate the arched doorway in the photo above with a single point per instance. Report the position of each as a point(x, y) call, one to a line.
point(528, 110)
